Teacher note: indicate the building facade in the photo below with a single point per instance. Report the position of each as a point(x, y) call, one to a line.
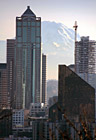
point(75, 97)
point(38, 110)
point(10, 69)
point(44, 85)
point(28, 59)
point(85, 60)
point(4, 100)
point(18, 118)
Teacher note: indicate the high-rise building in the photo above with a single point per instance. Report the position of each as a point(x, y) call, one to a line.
point(85, 60)
point(4, 101)
point(44, 89)
point(76, 98)
point(10, 68)
point(28, 59)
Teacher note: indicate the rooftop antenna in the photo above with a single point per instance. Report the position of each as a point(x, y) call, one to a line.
point(75, 27)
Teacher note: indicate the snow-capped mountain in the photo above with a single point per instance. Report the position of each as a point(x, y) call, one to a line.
point(57, 43)
point(57, 35)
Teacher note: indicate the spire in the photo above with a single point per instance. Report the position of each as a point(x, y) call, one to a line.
point(28, 12)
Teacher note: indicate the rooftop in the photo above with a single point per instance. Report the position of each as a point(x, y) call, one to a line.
point(28, 12)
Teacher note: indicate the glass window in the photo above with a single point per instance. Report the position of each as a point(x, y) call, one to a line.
point(38, 23)
point(33, 23)
point(38, 39)
point(19, 31)
point(38, 46)
point(33, 34)
point(38, 31)
point(19, 23)
point(19, 45)
point(19, 39)
point(24, 23)
point(24, 34)
point(28, 23)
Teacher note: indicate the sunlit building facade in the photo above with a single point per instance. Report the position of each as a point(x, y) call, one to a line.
point(85, 60)
point(28, 59)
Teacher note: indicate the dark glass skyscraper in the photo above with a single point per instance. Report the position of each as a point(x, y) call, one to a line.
point(28, 59)
point(75, 97)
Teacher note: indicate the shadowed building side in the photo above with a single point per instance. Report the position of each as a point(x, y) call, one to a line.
point(4, 103)
point(75, 96)
point(10, 68)
point(44, 86)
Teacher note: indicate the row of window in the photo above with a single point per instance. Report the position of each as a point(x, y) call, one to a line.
point(32, 23)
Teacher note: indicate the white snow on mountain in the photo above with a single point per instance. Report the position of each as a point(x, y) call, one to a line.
point(56, 44)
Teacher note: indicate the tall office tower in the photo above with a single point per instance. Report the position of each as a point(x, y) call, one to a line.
point(3, 86)
point(85, 60)
point(10, 68)
point(75, 97)
point(28, 59)
point(44, 90)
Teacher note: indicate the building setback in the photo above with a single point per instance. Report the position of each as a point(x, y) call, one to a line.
point(4, 103)
point(44, 90)
point(28, 59)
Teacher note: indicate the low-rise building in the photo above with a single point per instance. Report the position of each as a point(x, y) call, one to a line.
point(38, 110)
point(18, 118)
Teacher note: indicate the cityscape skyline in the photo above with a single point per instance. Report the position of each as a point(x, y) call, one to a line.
point(25, 68)
point(64, 11)
point(67, 11)
point(25, 112)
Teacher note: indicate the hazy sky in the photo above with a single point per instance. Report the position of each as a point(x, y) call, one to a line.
point(65, 11)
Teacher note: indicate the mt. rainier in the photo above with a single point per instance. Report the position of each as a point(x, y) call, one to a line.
point(58, 44)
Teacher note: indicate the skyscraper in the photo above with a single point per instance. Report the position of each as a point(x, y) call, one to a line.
point(10, 69)
point(28, 59)
point(44, 90)
point(75, 97)
point(85, 60)
point(3, 86)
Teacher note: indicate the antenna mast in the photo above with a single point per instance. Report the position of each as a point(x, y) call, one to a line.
point(75, 27)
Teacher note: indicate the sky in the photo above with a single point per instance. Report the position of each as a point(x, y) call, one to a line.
point(64, 11)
